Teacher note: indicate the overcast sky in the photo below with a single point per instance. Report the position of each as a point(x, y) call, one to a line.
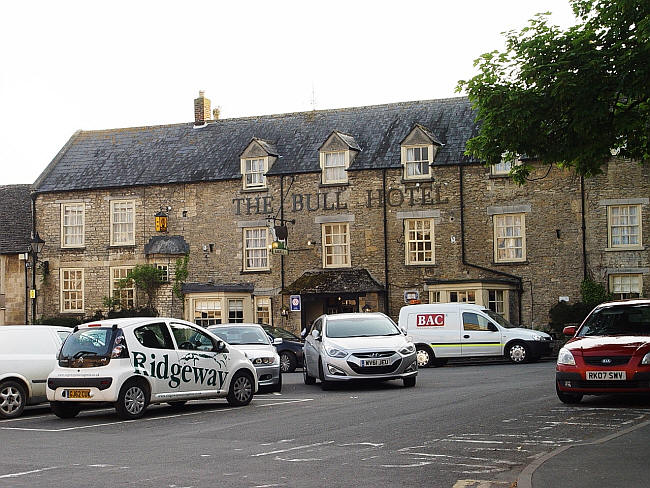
point(69, 65)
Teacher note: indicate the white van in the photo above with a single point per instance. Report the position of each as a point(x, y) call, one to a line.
point(442, 331)
point(27, 356)
point(134, 362)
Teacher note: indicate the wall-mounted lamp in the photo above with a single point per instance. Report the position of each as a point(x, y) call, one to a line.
point(366, 308)
point(36, 246)
point(284, 311)
point(161, 220)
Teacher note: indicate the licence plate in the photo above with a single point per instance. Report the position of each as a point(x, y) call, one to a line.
point(375, 362)
point(78, 393)
point(606, 375)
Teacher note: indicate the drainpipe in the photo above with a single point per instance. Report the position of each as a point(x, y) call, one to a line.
point(33, 196)
point(584, 229)
point(282, 223)
point(462, 244)
point(386, 294)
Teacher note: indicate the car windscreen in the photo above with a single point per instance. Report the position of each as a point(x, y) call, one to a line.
point(278, 332)
point(240, 335)
point(94, 341)
point(499, 319)
point(618, 320)
point(361, 327)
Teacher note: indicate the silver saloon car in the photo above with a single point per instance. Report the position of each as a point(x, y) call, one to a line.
point(354, 346)
point(252, 340)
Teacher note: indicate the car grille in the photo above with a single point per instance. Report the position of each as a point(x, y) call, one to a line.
point(375, 369)
point(378, 354)
point(614, 360)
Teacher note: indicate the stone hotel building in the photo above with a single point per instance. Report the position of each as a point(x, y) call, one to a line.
point(352, 209)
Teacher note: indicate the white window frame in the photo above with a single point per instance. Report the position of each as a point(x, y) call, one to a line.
point(263, 306)
point(264, 249)
point(500, 221)
point(212, 307)
point(165, 271)
point(236, 309)
point(499, 300)
point(412, 236)
point(129, 240)
point(324, 156)
point(261, 173)
point(626, 216)
point(328, 248)
point(466, 293)
point(69, 291)
point(503, 168)
point(79, 208)
point(628, 284)
point(406, 162)
point(123, 270)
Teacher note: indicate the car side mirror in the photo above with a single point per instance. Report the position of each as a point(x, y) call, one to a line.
point(277, 340)
point(303, 333)
point(403, 330)
point(316, 335)
point(569, 330)
point(493, 328)
point(220, 346)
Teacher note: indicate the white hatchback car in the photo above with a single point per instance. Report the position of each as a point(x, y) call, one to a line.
point(134, 362)
point(351, 346)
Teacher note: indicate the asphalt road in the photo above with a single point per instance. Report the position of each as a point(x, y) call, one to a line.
point(464, 425)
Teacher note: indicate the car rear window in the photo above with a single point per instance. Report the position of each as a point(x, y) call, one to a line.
point(90, 342)
point(618, 320)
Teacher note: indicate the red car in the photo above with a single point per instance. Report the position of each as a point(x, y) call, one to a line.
point(609, 353)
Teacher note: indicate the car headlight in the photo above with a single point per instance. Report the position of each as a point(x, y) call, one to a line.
point(408, 349)
point(264, 360)
point(646, 359)
point(565, 357)
point(335, 353)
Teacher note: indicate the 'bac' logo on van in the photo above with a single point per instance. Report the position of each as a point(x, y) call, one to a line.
point(430, 320)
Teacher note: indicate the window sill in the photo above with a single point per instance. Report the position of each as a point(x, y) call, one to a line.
point(422, 265)
point(255, 271)
point(630, 248)
point(511, 263)
point(338, 267)
point(121, 246)
point(415, 181)
point(499, 177)
point(330, 185)
point(73, 312)
point(79, 248)
point(255, 190)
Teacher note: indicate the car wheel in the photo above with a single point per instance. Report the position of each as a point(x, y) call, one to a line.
point(288, 362)
point(277, 388)
point(409, 381)
point(424, 356)
point(324, 384)
point(65, 410)
point(517, 353)
point(569, 398)
point(306, 377)
point(12, 399)
point(132, 401)
point(241, 389)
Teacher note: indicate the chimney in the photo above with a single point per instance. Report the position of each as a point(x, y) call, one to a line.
point(201, 109)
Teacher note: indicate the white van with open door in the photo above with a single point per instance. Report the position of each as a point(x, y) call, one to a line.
point(442, 331)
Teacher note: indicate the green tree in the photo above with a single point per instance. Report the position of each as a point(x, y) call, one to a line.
point(180, 275)
point(147, 278)
point(572, 97)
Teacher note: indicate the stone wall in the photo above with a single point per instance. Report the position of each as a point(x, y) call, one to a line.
point(12, 290)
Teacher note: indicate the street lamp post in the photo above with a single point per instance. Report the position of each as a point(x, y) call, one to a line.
point(36, 245)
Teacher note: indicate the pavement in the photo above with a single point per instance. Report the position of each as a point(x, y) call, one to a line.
point(619, 459)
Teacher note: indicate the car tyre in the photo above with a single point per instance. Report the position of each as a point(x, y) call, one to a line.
point(65, 410)
point(306, 377)
point(277, 388)
point(424, 356)
point(324, 384)
point(518, 353)
point(240, 392)
point(13, 399)
point(132, 400)
point(409, 381)
point(288, 362)
point(568, 398)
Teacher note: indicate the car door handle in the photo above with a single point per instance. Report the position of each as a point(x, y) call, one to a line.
point(466, 336)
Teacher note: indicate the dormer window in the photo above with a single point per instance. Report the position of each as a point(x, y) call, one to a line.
point(254, 172)
point(419, 149)
point(256, 160)
point(336, 154)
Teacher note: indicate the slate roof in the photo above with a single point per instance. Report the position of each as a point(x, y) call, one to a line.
point(16, 218)
point(167, 245)
point(353, 280)
point(215, 287)
point(182, 153)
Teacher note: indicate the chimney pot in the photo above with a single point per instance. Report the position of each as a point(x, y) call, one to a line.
point(201, 109)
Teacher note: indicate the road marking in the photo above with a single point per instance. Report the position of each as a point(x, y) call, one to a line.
point(16, 475)
point(280, 451)
point(283, 402)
